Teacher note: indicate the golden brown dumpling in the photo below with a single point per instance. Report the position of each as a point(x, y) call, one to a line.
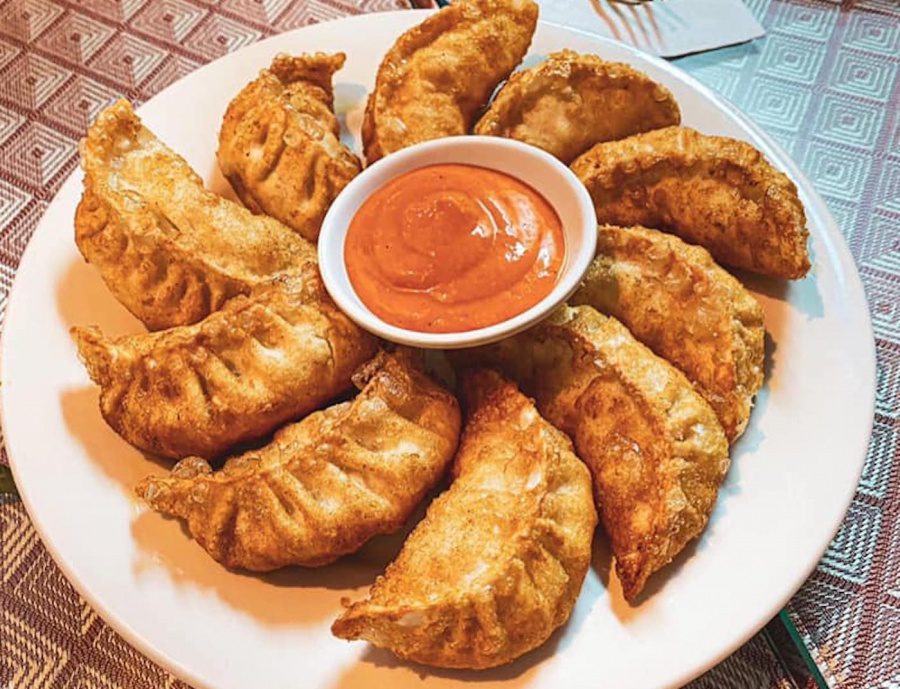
point(280, 146)
point(498, 561)
point(260, 361)
point(168, 249)
point(571, 101)
point(325, 485)
point(675, 299)
point(709, 190)
point(437, 76)
point(654, 446)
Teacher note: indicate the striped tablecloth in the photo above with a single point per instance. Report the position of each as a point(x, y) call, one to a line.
point(824, 83)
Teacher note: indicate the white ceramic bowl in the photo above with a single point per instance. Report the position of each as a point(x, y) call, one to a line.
point(535, 167)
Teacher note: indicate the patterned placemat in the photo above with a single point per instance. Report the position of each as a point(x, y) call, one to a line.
point(821, 82)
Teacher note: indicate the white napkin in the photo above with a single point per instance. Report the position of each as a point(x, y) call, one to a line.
point(664, 27)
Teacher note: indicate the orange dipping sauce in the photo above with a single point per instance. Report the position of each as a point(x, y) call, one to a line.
point(451, 247)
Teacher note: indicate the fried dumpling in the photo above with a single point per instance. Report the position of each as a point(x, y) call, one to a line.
point(571, 101)
point(325, 485)
point(498, 561)
point(713, 191)
point(438, 76)
point(169, 250)
point(675, 299)
point(280, 146)
point(654, 446)
point(261, 360)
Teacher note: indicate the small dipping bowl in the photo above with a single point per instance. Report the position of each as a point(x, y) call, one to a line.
point(536, 168)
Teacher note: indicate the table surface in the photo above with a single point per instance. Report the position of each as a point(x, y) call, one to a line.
point(824, 82)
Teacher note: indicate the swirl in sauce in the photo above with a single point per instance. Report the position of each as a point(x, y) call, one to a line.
point(450, 248)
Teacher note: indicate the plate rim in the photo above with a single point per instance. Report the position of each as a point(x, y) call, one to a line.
point(838, 249)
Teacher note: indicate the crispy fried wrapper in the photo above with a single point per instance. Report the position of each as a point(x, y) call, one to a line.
point(675, 299)
point(713, 191)
point(654, 446)
point(280, 146)
point(324, 485)
point(437, 77)
point(261, 360)
point(572, 101)
point(499, 559)
point(169, 250)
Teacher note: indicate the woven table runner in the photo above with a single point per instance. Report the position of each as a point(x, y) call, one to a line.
point(823, 83)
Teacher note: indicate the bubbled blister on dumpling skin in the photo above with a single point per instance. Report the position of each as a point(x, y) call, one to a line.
point(655, 448)
point(437, 77)
point(324, 485)
point(675, 299)
point(713, 191)
point(571, 101)
point(237, 375)
point(169, 250)
point(499, 559)
point(279, 144)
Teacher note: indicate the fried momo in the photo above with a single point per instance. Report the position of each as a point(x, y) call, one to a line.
point(654, 446)
point(709, 190)
point(280, 146)
point(498, 561)
point(437, 77)
point(244, 370)
point(675, 299)
point(570, 102)
point(169, 250)
point(325, 485)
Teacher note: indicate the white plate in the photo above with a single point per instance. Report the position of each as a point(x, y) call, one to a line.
point(793, 475)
